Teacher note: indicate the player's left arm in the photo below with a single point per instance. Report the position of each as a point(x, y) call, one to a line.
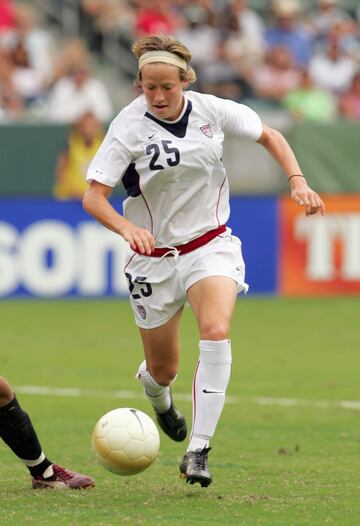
point(278, 147)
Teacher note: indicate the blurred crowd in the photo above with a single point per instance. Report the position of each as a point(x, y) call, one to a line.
point(303, 60)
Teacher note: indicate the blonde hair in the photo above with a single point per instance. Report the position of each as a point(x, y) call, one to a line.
point(164, 43)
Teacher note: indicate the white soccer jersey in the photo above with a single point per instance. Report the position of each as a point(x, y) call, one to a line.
point(172, 171)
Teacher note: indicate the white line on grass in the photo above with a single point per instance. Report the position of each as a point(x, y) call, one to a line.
point(75, 392)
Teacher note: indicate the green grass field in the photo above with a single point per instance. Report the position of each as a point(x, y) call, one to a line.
point(273, 464)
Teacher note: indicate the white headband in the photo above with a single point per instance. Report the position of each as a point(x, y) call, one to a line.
point(162, 56)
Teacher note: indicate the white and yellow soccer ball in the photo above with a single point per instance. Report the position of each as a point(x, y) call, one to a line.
point(125, 441)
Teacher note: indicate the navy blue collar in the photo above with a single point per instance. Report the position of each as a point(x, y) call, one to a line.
point(177, 128)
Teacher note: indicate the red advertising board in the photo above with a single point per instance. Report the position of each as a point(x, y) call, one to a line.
point(320, 255)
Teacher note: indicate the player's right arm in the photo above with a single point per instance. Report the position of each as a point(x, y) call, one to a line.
point(96, 203)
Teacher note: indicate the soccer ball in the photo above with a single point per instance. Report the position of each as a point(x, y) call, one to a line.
point(125, 441)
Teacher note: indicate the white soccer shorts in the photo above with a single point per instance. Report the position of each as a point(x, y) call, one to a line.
point(158, 286)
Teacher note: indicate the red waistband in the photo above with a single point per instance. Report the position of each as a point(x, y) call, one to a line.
point(187, 247)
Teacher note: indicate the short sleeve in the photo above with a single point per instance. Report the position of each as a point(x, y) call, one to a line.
point(239, 119)
point(110, 161)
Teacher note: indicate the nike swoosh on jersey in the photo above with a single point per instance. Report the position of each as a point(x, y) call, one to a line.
point(212, 392)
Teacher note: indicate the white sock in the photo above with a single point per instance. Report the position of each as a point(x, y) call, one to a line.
point(36, 462)
point(159, 395)
point(211, 378)
point(49, 471)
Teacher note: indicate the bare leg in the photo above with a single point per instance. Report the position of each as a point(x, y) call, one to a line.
point(162, 350)
point(158, 371)
point(213, 301)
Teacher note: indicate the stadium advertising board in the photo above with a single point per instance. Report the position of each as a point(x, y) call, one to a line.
point(52, 249)
point(320, 255)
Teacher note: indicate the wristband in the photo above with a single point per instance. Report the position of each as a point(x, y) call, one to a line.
point(295, 175)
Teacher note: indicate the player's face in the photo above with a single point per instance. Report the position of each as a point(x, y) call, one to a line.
point(163, 90)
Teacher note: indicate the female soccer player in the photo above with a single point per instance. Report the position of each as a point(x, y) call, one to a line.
point(18, 433)
point(165, 147)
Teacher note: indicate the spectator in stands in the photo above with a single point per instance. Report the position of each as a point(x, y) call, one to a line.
point(244, 44)
point(198, 29)
point(99, 18)
point(198, 33)
point(156, 16)
point(350, 101)
point(223, 78)
point(84, 139)
point(248, 22)
point(89, 13)
point(215, 73)
point(37, 41)
point(309, 102)
point(288, 32)
point(277, 76)
point(347, 32)
point(73, 54)
point(28, 82)
point(7, 19)
point(333, 69)
point(77, 93)
point(11, 103)
point(327, 14)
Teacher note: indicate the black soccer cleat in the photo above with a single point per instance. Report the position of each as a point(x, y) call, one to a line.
point(173, 423)
point(194, 467)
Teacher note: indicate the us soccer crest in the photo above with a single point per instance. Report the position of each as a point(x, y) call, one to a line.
point(141, 311)
point(207, 130)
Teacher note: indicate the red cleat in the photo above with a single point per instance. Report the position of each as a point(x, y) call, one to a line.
point(63, 478)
